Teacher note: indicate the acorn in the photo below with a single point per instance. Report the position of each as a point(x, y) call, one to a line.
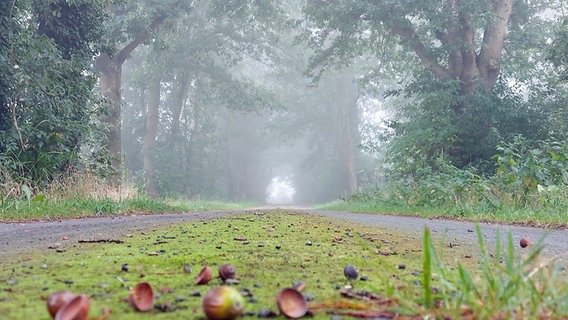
point(204, 276)
point(142, 297)
point(57, 300)
point(223, 303)
point(350, 272)
point(292, 303)
point(76, 309)
point(525, 242)
point(227, 271)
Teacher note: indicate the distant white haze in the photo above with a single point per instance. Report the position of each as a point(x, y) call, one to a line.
point(280, 191)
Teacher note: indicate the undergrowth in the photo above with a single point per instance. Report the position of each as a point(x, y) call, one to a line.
point(82, 194)
point(529, 186)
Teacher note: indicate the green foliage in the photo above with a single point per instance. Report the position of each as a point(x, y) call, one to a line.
point(558, 52)
point(528, 185)
point(533, 171)
point(507, 284)
point(47, 102)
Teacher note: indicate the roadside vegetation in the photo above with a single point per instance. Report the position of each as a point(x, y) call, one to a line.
point(529, 185)
point(86, 195)
point(403, 276)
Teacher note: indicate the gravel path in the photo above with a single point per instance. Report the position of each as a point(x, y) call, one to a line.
point(22, 237)
point(462, 233)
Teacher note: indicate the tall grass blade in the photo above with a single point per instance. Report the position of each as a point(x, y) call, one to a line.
point(427, 267)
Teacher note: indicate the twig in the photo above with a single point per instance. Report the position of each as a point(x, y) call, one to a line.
point(101, 241)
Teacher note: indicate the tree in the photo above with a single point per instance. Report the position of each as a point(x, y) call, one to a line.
point(47, 102)
point(457, 53)
point(197, 58)
point(134, 25)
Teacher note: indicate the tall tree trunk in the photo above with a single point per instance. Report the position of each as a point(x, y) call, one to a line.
point(179, 103)
point(150, 134)
point(110, 85)
point(346, 128)
point(110, 68)
point(341, 94)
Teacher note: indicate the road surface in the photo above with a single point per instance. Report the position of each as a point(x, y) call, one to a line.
point(23, 237)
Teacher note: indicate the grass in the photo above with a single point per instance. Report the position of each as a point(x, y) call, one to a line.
point(554, 217)
point(22, 210)
point(272, 249)
point(84, 195)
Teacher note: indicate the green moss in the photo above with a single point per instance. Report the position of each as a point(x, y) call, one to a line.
point(280, 247)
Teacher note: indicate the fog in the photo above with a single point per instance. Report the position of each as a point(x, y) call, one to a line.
point(245, 114)
point(275, 138)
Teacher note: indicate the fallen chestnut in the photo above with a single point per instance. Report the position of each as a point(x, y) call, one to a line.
point(227, 271)
point(223, 303)
point(57, 300)
point(351, 272)
point(76, 309)
point(292, 303)
point(142, 297)
point(525, 242)
point(204, 276)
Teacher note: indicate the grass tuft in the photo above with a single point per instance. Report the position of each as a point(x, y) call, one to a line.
point(82, 194)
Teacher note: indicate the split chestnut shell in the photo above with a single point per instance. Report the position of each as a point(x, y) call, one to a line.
point(142, 297)
point(227, 271)
point(76, 309)
point(57, 300)
point(223, 303)
point(292, 303)
point(204, 276)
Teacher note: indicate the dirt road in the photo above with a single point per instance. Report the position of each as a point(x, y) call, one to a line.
point(22, 237)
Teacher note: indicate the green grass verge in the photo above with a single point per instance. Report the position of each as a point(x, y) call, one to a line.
point(42, 209)
point(549, 217)
point(411, 275)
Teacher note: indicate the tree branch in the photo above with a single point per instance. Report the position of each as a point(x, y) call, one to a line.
point(418, 47)
point(469, 70)
point(493, 43)
point(125, 52)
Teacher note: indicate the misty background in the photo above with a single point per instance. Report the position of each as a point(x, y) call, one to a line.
point(296, 101)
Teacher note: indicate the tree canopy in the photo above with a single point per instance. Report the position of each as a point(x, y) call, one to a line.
point(216, 97)
point(456, 57)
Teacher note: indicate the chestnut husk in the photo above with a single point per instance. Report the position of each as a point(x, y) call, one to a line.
point(223, 303)
point(204, 276)
point(227, 271)
point(292, 303)
point(142, 297)
point(57, 300)
point(76, 309)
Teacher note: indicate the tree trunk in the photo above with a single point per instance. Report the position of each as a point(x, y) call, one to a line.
point(346, 126)
point(110, 68)
point(341, 94)
point(179, 103)
point(110, 86)
point(150, 134)
point(463, 62)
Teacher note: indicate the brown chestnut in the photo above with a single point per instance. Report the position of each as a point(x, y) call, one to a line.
point(292, 303)
point(204, 276)
point(57, 300)
point(142, 297)
point(525, 242)
point(76, 309)
point(223, 303)
point(227, 271)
